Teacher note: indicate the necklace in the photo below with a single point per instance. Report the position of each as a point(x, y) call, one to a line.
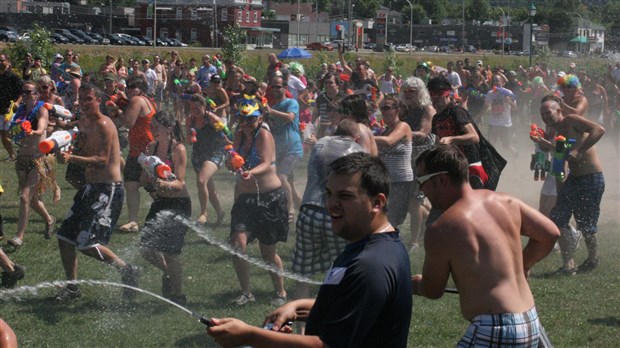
point(385, 228)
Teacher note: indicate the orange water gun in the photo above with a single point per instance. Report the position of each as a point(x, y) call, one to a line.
point(236, 160)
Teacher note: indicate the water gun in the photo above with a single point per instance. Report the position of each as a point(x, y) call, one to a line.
point(61, 87)
point(218, 64)
point(236, 160)
point(562, 149)
point(178, 82)
point(222, 127)
point(211, 103)
point(117, 100)
point(539, 163)
point(10, 112)
point(20, 130)
point(58, 111)
point(472, 92)
point(376, 126)
point(156, 168)
point(505, 92)
point(59, 141)
point(192, 136)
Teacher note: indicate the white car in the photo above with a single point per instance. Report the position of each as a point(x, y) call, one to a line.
point(403, 48)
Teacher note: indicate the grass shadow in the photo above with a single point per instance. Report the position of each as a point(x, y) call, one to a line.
point(608, 321)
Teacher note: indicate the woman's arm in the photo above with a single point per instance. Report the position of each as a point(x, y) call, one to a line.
point(402, 130)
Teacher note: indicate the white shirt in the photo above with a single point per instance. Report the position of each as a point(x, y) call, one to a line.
point(295, 86)
point(151, 78)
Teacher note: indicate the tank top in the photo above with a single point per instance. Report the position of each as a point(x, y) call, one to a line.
point(208, 142)
point(140, 134)
point(397, 159)
point(252, 159)
point(387, 86)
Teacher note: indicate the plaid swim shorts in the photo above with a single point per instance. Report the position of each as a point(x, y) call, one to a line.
point(316, 247)
point(513, 330)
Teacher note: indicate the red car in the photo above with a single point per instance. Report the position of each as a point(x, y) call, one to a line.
point(319, 46)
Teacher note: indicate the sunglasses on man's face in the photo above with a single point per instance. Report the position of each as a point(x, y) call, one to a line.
point(28, 91)
point(388, 108)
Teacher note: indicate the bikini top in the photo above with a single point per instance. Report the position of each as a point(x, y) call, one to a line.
point(252, 159)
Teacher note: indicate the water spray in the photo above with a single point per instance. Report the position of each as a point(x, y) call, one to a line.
point(224, 246)
point(15, 293)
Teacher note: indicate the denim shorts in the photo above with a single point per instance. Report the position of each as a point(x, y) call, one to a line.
point(580, 196)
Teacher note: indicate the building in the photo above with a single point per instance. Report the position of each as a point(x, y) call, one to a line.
point(203, 22)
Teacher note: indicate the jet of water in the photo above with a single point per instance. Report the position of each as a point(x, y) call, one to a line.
point(17, 293)
point(204, 234)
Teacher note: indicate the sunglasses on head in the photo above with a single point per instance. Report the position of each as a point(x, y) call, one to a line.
point(424, 178)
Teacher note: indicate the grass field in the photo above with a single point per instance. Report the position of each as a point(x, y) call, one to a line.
point(579, 311)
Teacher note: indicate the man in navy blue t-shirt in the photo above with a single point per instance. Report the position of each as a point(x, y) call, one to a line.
point(366, 297)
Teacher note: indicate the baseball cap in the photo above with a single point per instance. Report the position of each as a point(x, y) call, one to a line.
point(512, 73)
point(215, 77)
point(479, 62)
point(58, 56)
point(572, 65)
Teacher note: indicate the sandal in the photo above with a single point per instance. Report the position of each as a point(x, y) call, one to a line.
point(49, 229)
point(16, 242)
point(202, 219)
point(130, 227)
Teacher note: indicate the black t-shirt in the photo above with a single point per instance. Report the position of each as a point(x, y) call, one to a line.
point(10, 88)
point(323, 101)
point(449, 123)
point(366, 297)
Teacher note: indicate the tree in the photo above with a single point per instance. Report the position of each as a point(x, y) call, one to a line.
point(419, 14)
point(234, 45)
point(366, 8)
point(477, 10)
point(435, 9)
point(39, 45)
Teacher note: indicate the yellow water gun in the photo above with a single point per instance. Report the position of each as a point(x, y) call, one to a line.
point(10, 112)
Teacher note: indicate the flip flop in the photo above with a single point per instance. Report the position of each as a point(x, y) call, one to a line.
point(130, 227)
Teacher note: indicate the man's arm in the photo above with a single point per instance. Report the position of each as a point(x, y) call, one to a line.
point(469, 136)
point(130, 115)
point(229, 332)
point(583, 125)
point(579, 109)
point(542, 234)
point(288, 116)
point(426, 123)
point(436, 270)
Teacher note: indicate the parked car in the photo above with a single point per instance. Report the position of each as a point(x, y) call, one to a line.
point(432, 49)
point(568, 54)
point(403, 48)
point(470, 48)
point(319, 46)
point(7, 36)
point(347, 46)
point(102, 40)
point(370, 45)
point(72, 38)
point(146, 39)
point(445, 49)
point(7, 28)
point(177, 43)
point(160, 42)
point(115, 39)
point(59, 39)
point(82, 35)
point(131, 40)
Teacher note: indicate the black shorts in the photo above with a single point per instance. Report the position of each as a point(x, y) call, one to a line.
point(91, 219)
point(263, 216)
point(166, 235)
point(133, 170)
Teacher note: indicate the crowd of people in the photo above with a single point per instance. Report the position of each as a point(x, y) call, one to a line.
point(380, 147)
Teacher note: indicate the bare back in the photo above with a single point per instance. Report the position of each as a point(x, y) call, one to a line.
point(480, 239)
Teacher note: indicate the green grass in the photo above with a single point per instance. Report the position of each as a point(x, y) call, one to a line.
point(580, 311)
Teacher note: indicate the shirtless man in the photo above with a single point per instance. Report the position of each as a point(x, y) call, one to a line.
point(98, 204)
point(162, 80)
point(492, 281)
point(573, 101)
point(581, 193)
